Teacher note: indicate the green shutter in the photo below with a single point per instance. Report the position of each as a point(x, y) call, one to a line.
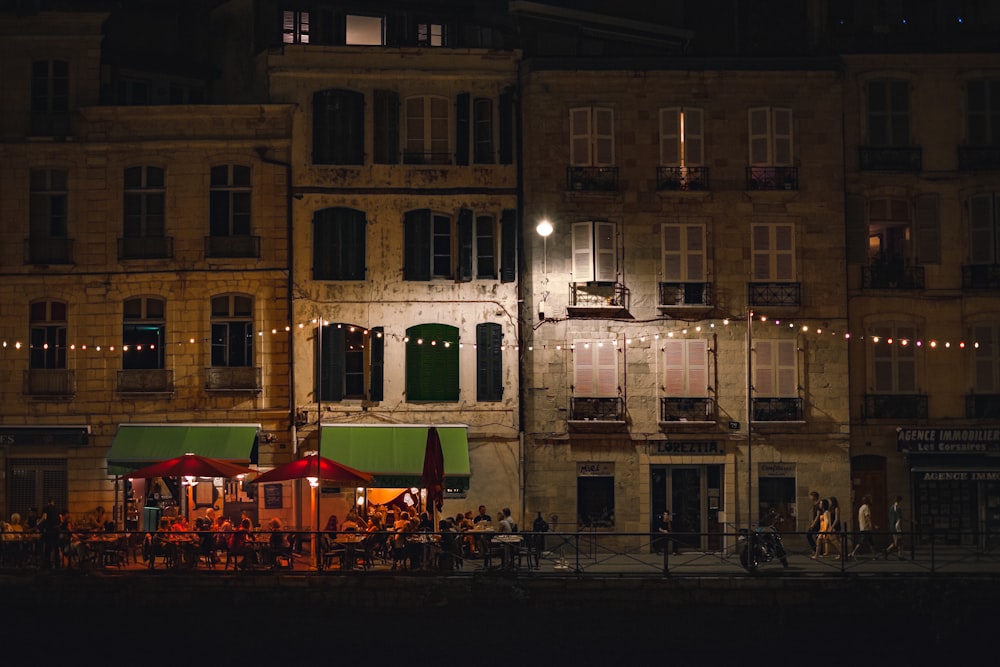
point(431, 364)
point(330, 364)
point(464, 245)
point(376, 342)
point(508, 245)
point(417, 245)
point(352, 248)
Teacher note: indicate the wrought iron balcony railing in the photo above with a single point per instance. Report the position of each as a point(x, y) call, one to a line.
point(49, 382)
point(598, 296)
point(685, 409)
point(685, 294)
point(611, 409)
point(982, 406)
point(979, 158)
point(145, 247)
point(236, 378)
point(891, 158)
point(600, 179)
point(49, 250)
point(981, 276)
point(895, 406)
point(774, 294)
point(892, 275)
point(232, 246)
point(145, 381)
point(777, 409)
point(682, 178)
point(772, 178)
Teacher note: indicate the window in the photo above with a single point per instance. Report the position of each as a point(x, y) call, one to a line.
point(427, 245)
point(426, 125)
point(143, 325)
point(984, 229)
point(339, 244)
point(432, 34)
point(477, 251)
point(595, 252)
point(770, 136)
point(592, 141)
point(229, 213)
point(684, 252)
point(889, 231)
point(48, 335)
point(143, 214)
point(987, 358)
point(889, 113)
point(775, 369)
point(386, 130)
point(48, 201)
point(489, 362)
point(773, 252)
point(232, 331)
point(351, 363)
point(486, 260)
point(595, 368)
point(364, 30)
point(295, 27)
point(595, 495)
point(894, 364)
point(685, 364)
point(338, 127)
point(682, 141)
point(132, 92)
point(983, 113)
point(432, 363)
point(50, 97)
point(482, 131)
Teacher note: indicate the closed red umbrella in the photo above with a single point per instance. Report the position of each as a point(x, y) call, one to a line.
point(326, 469)
point(190, 465)
point(433, 474)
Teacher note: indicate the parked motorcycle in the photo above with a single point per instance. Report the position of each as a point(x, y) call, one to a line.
point(763, 544)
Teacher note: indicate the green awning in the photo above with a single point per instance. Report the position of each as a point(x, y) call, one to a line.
point(138, 445)
point(395, 454)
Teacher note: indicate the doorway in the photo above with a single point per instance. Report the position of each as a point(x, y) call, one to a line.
point(693, 496)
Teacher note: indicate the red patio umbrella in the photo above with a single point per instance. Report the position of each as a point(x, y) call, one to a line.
point(433, 474)
point(190, 465)
point(327, 469)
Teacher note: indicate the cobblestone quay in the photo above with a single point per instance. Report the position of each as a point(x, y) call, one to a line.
point(903, 616)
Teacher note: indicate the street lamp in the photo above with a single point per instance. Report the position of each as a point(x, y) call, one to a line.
point(544, 230)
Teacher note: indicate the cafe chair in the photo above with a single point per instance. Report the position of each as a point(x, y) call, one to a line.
point(116, 553)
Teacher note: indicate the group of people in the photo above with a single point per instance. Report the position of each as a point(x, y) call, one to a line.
point(53, 536)
point(825, 532)
point(211, 536)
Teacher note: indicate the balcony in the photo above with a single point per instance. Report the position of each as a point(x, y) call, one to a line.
point(592, 179)
point(684, 298)
point(232, 246)
point(979, 158)
point(598, 299)
point(421, 157)
point(982, 406)
point(48, 124)
point(145, 381)
point(681, 178)
point(597, 415)
point(49, 383)
point(981, 276)
point(777, 410)
point(684, 409)
point(892, 275)
point(772, 178)
point(145, 247)
point(895, 406)
point(49, 250)
point(891, 158)
point(774, 294)
point(237, 378)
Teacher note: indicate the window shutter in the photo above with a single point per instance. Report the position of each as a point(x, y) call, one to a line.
point(352, 245)
point(489, 363)
point(417, 242)
point(784, 252)
point(606, 242)
point(673, 368)
point(906, 362)
point(330, 367)
point(670, 136)
point(928, 230)
point(583, 252)
point(607, 368)
point(386, 119)
point(786, 379)
point(986, 360)
point(977, 113)
point(857, 229)
point(584, 358)
point(763, 369)
point(697, 361)
point(782, 125)
point(579, 137)
point(671, 249)
point(376, 342)
point(604, 137)
point(322, 108)
point(695, 253)
point(982, 244)
point(761, 261)
point(882, 365)
point(462, 109)
point(322, 245)
point(506, 128)
point(759, 120)
point(431, 365)
point(508, 245)
point(694, 137)
point(464, 272)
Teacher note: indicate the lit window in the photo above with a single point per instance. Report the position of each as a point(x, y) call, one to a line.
point(365, 30)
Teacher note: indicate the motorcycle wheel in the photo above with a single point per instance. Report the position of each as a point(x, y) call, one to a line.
point(780, 551)
point(749, 562)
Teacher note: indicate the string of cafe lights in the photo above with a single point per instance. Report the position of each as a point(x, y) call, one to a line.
point(667, 331)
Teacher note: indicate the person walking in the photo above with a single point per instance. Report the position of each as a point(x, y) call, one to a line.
point(813, 528)
point(896, 528)
point(865, 527)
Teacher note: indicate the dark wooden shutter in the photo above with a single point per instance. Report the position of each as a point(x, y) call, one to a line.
point(323, 244)
point(330, 364)
point(489, 362)
point(928, 229)
point(376, 343)
point(338, 127)
point(386, 117)
point(462, 109)
point(464, 273)
point(417, 245)
point(857, 229)
point(432, 369)
point(507, 126)
point(508, 245)
point(352, 245)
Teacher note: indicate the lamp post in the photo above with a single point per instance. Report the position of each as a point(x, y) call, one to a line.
point(315, 485)
point(544, 230)
point(750, 512)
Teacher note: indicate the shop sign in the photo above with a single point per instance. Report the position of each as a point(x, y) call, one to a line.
point(68, 436)
point(776, 470)
point(949, 440)
point(595, 469)
point(695, 447)
point(960, 476)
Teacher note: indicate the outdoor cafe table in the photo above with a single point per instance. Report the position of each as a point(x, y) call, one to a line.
point(509, 544)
